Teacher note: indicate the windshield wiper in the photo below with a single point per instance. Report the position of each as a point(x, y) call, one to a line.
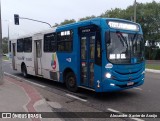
point(122, 38)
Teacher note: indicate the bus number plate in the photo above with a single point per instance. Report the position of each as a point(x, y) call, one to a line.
point(130, 83)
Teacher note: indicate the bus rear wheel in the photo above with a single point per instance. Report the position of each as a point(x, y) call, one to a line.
point(24, 71)
point(71, 82)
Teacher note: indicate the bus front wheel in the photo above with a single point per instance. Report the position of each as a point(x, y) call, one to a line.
point(71, 82)
point(24, 71)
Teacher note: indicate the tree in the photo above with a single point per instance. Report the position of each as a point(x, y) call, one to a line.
point(114, 13)
point(67, 21)
point(148, 15)
point(55, 25)
point(86, 18)
point(5, 45)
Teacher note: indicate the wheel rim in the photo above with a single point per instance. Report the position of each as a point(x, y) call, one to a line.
point(24, 71)
point(71, 82)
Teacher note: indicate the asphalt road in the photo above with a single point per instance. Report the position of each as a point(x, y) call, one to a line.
point(145, 98)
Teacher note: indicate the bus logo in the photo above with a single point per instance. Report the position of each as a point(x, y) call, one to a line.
point(53, 61)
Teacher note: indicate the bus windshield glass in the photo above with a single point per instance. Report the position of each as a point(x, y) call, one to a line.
point(122, 47)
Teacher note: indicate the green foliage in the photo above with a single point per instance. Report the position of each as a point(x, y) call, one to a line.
point(86, 18)
point(67, 21)
point(153, 66)
point(5, 45)
point(152, 53)
point(114, 13)
point(56, 24)
point(148, 15)
point(5, 58)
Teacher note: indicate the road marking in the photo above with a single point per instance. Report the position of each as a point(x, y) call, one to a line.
point(25, 80)
point(137, 119)
point(112, 110)
point(75, 97)
point(138, 88)
point(115, 111)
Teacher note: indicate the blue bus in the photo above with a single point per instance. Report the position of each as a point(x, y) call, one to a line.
point(100, 54)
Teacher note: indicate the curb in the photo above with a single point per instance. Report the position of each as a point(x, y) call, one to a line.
point(36, 100)
point(12, 76)
point(152, 70)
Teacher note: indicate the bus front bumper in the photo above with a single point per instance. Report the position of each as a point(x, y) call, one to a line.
point(110, 85)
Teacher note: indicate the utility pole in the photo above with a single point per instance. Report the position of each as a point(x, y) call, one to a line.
point(135, 5)
point(8, 31)
point(1, 73)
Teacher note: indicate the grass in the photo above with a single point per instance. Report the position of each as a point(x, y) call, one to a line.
point(153, 66)
point(5, 58)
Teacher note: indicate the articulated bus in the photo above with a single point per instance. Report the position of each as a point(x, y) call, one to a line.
point(101, 54)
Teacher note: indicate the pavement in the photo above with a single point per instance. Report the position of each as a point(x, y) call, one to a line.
point(152, 70)
point(19, 96)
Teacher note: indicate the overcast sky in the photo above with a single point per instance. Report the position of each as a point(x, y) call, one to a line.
point(52, 11)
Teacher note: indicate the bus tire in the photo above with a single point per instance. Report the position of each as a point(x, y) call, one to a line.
point(70, 81)
point(24, 71)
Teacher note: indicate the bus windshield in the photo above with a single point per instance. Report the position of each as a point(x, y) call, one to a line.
point(122, 47)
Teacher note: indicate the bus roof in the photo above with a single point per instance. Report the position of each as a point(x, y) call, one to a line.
point(37, 33)
point(96, 21)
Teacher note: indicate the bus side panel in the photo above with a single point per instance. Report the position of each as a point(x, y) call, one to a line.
point(46, 64)
point(67, 60)
point(71, 59)
point(20, 59)
point(50, 66)
point(29, 62)
point(27, 59)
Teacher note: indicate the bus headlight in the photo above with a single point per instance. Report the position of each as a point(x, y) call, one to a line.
point(108, 75)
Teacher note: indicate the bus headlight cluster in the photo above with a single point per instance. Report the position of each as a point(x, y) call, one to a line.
point(108, 75)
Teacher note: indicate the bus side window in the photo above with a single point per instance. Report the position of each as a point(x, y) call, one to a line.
point(98, 59)
point(65, 41)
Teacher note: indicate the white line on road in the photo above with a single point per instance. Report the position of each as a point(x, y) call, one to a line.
point(112, 110)
point(138, 88)
point(25, 80)
point(137, 119)
point(115, 111)
point(75, 97)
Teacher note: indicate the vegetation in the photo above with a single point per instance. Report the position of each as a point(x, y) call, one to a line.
point(153, 66)
point(148, 15)
point(5, 58)
point(5, 45)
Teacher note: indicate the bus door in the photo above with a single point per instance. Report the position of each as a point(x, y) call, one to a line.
point(88, 68)
point(37, 57)
point(14, 56)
